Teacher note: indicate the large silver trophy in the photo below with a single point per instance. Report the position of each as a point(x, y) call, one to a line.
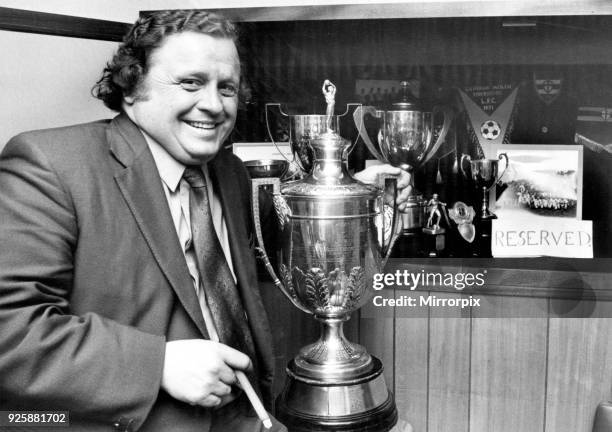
point(333, 240)
point(405, 140)
point(303, 128)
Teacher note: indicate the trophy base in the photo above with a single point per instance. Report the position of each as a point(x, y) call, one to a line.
point(482, 242)
point(362, 404)
point(409, 245)
point(413, 215)
point(485, 216)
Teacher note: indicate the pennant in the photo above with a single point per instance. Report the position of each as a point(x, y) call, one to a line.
point(489, 109)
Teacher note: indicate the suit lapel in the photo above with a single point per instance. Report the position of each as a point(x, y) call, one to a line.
point(141, 187)
point(225, 182)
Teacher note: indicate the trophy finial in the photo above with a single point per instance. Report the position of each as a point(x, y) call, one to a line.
point(329, 91)
point(408, 101)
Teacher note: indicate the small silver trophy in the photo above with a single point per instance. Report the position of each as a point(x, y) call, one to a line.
point(484, 173)
point(332, 242)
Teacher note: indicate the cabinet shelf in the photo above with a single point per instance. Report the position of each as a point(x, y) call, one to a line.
point(422, 9)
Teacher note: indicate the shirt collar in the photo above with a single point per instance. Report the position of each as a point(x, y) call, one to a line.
point(170, 170)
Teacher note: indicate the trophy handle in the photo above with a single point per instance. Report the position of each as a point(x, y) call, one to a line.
point(448, 118)
point(350, 108)
point(358, 116)
point(461, 163)
point(387, 246)
point(280, 110)
point(260, 248)
point(504, 156)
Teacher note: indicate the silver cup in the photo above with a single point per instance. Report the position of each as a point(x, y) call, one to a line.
point(405, 140)
point(333, 240)
point(303, 128)
point(263, 168)
point(484, 173)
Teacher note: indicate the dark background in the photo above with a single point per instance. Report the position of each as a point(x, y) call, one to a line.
point(286, 62)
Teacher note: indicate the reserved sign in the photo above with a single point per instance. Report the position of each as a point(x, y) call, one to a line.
point(558, 237)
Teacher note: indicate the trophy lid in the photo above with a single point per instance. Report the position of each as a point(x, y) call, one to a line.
point(329, 177)
point(408, 102)
point(329, 191)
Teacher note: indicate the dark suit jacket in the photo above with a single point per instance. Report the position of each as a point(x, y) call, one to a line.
point(93, 280)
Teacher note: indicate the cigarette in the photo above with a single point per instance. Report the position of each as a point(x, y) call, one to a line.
point(257, 405)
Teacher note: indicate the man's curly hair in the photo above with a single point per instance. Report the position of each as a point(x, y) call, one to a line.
point(124, 73)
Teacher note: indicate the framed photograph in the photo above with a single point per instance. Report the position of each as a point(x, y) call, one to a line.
point(541, 181)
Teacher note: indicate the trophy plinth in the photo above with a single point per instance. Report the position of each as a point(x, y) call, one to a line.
point(357, 405)
point(333, 240)
point(335, 385)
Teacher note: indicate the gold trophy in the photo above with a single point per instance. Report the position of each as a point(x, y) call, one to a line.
point(333, 241)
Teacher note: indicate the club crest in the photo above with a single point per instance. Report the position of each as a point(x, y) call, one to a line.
point(548, 89)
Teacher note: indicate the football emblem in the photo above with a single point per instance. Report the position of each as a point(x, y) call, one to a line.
point(490, 130)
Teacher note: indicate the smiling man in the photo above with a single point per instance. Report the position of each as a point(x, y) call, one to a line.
point(188, 99)
point(127, 293)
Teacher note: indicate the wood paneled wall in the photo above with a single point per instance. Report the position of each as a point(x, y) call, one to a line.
point(514, 364)
point(535, 356)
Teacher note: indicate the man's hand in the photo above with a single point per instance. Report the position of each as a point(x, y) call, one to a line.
point(372, 175)
point(201, 372)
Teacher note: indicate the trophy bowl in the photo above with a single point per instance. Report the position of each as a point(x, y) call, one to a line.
point(405, 140)
point(302, 129)
point(262, 168)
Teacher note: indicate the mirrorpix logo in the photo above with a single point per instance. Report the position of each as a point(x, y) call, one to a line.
point(423, 280)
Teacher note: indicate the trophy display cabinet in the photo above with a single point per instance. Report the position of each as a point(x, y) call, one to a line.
point(538, 355)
